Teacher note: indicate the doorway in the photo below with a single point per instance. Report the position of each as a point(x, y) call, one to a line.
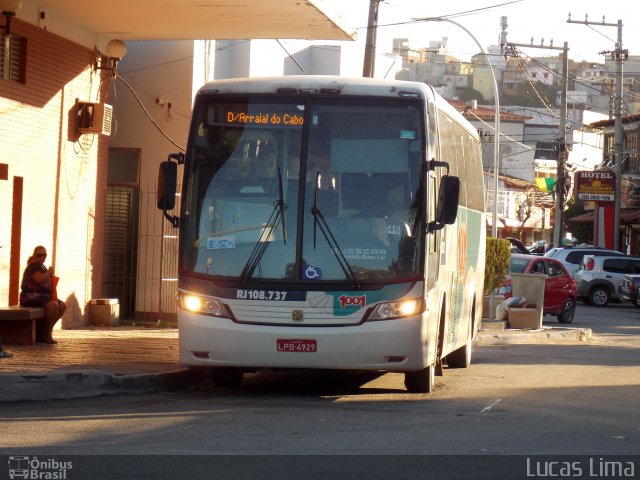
point(121, 229)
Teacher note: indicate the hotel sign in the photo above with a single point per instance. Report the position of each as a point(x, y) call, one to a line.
point(595, 186)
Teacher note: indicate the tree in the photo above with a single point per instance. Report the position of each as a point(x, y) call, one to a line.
point(532, 198)
point(468, 94)
point(531, 94)
point(582, 231)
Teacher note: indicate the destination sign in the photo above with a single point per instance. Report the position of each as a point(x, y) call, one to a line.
point(265, 118)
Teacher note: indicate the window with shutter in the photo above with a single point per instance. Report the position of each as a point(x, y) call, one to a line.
point(13, 55)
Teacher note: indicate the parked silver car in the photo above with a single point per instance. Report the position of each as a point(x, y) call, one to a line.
point(571, 257)
point(599, 278)
point(630, 289)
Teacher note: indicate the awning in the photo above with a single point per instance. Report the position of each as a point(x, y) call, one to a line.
point(503, 222)
point(626, 217)
point(584, 218)
point(510, 222)
point(630, 216)
point(196, 19)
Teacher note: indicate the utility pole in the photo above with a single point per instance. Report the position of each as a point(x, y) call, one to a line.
point(509, 49)
point(370, 47)
point(619, 55)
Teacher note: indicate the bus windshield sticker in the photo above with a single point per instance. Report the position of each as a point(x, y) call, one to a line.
point(352, 301)
point(311, 273)
point(216, 243)
point(408, 134)
point(365, 253)
point(394, 230)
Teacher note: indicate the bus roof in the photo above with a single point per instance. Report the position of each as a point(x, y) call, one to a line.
point(311, 83)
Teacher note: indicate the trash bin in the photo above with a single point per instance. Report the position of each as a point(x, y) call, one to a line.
point(104, 312)
point(531, 287)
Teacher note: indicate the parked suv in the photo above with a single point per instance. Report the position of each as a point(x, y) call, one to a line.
point(630, 289)
point(571, 257)
point(599, 278)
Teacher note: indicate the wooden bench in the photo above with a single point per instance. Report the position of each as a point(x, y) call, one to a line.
point(18, 324)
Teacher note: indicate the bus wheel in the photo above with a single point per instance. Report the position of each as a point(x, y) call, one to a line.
point(420, 381)
point(229, 377)
point(461, 358)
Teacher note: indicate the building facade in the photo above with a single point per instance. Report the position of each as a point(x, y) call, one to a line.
point(60, 185)
point(54, 181)
point(629, 201)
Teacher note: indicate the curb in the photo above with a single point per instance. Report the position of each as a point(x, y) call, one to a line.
point(91, 383)
point(542, 335)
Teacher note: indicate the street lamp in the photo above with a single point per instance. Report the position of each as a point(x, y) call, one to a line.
point(9, 9)
point(496, 148)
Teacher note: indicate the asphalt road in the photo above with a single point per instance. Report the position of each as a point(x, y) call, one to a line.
point(560, 399)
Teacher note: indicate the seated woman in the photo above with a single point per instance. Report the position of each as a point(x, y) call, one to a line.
point(37, 290)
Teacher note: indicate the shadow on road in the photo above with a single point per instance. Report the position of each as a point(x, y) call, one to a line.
point(561, 354)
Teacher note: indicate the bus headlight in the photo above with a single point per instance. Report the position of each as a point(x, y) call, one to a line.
point(205, 305)
point(403, 308)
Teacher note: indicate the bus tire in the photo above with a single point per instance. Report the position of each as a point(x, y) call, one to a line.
point(227, 377)
point(461, 358)
point(420, 381)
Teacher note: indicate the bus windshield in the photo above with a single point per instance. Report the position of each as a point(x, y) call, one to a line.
point(304, 190)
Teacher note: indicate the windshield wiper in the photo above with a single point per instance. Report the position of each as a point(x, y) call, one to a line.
point(277, 215)
point(419, 202)
point(319, 220)
point(281, 206)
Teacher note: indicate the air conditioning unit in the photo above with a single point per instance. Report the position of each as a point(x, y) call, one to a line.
point(94, 117)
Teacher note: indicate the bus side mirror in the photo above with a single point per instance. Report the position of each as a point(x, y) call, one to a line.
point(167, 181)
point(448, 200)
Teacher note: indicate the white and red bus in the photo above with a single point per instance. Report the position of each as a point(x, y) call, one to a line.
point(328, 223)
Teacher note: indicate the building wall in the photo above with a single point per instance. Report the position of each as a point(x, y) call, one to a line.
point(232, 59)
point(155, 70)
point(413, 72)
point(483, 81)
point(516, 160)
point(63, 173)
point(263, 58)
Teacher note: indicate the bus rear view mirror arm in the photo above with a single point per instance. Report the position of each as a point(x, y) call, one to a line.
point(433, 163)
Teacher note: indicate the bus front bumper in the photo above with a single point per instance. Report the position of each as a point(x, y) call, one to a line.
point(402, 344)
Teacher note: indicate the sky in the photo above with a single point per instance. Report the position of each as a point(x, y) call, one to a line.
point(540, 19)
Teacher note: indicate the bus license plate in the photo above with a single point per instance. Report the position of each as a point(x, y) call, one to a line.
point(296, 345)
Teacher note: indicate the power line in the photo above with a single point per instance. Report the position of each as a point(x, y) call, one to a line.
point(556, 73)
point(533, 87)
point(137, 97)
point(501, 134)
point(599, 32)
point(451, 15)
point(290, 56)
point(169, 62)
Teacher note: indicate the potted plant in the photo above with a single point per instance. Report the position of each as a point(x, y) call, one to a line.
point(498, 253)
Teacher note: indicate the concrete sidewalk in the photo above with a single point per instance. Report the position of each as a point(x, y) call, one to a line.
point(100, 360)
point(94, 361)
